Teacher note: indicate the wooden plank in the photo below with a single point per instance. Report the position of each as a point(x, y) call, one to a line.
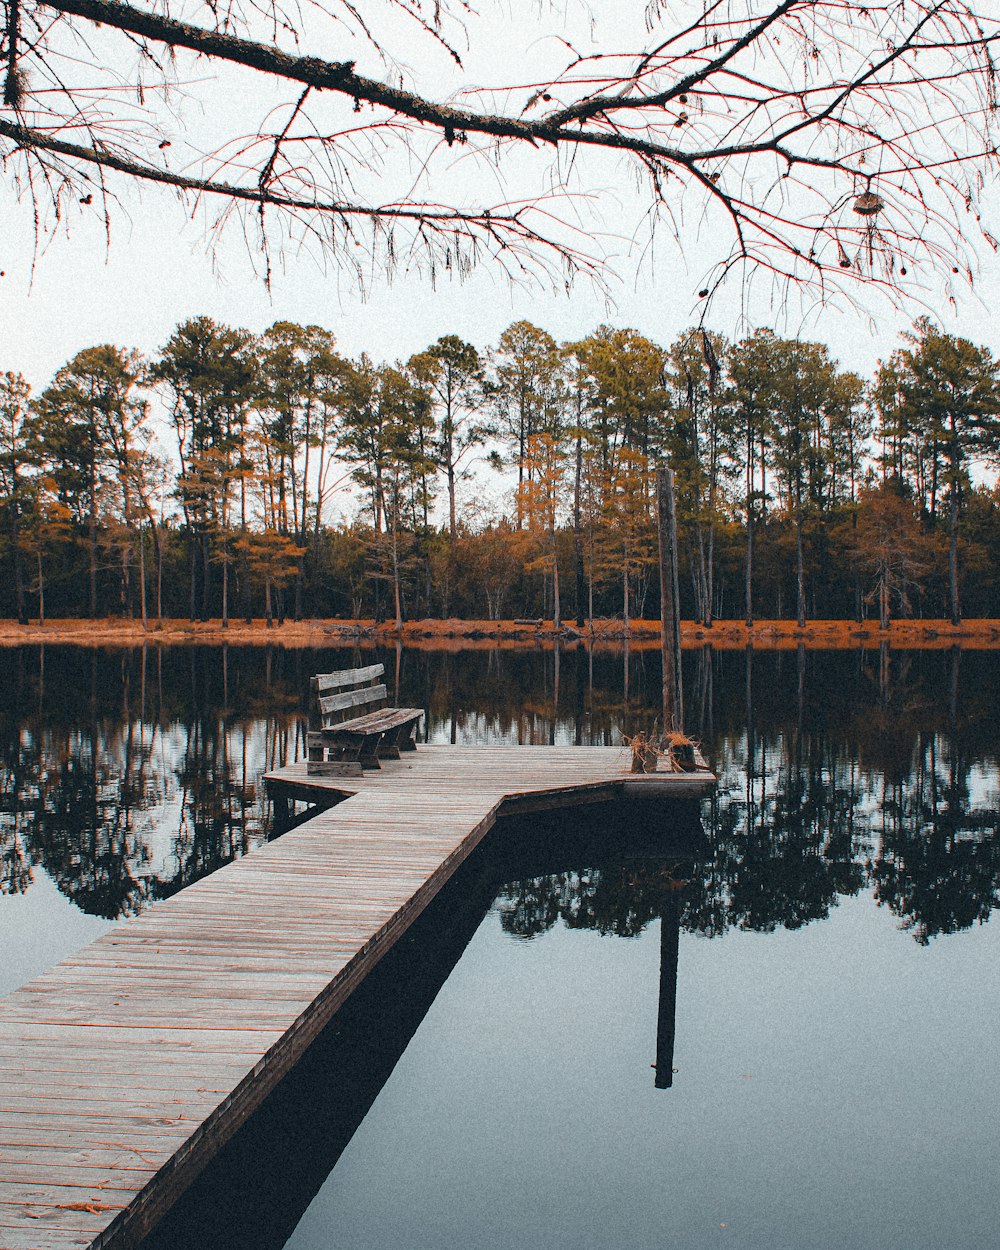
point(335, 768)
point(41, 1081)
point(72, 1166)
point(372, 722)
point(42, 1193)
point(385, 718)
point(71, 1217)
point(344, 678)
point(28, 1236)
point(153, 1137)
point(350, 698)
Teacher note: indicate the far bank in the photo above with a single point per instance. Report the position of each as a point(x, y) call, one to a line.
point(454, 634)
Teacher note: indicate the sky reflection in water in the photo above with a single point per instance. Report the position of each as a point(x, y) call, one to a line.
point(836, 1020)
point(835, 1086)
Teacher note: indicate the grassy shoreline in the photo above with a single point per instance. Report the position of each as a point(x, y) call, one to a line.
point(464, 635)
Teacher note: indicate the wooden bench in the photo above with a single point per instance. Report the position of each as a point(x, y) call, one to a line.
point(350, 725)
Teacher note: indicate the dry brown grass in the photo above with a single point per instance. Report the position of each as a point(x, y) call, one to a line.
point(458, 635)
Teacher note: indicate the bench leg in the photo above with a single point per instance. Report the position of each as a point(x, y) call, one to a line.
point(368, 751)
point(346, 757)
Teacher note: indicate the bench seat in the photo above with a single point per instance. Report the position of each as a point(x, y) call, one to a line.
point(369, 738)
point(348, 747)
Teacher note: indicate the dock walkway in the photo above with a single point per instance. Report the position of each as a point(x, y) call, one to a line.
point(125, 1068)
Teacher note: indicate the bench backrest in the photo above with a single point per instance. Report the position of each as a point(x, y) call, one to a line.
point(336, 697)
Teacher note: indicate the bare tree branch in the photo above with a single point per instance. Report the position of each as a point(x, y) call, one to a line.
point(774, 118)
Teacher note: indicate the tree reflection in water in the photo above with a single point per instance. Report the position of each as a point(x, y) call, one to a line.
point(851, 772)
point(125, 775)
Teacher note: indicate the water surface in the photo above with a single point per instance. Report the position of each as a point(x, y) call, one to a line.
point(774, 1025)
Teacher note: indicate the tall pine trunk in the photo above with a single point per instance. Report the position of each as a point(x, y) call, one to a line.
point(800, 576)
point(205, 583)
point(245, 554)
point(41, 588)
point(16, 555)
point(556, 606)
point(397, 595)
point(225, 585)
point(581, 583)
point(956, 611)
point(142, 577)
point(92, 544)
point(748, 585)
point(452, 513)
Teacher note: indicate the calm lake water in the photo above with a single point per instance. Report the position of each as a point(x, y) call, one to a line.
point(773, 1024)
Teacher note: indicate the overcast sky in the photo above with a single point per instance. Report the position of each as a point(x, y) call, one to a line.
point(156, 272)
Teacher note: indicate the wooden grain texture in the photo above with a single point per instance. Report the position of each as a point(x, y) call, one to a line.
point(126, 1067)
point(350, 698)
point(345, 678)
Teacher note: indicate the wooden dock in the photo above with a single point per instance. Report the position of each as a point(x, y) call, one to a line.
point(125, 1068)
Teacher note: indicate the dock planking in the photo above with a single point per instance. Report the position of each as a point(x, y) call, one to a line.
point(126, 1067)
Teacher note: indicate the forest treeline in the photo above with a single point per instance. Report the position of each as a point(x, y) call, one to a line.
point(243, 474)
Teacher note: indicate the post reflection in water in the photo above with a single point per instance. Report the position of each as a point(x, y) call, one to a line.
point(845, 778)
point(666, 1015)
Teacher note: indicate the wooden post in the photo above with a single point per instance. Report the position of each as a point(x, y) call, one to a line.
point(670, 625)
point(282, 810)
